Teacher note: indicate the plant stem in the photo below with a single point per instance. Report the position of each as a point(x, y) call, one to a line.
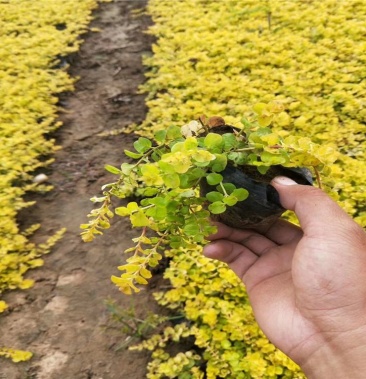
point(223, 189)
point(317, 177)
point(245, 149)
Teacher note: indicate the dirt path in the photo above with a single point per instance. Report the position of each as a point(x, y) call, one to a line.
point(62, 318)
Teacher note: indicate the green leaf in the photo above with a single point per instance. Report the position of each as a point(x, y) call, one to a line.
point(217, 207)
point(177, 146)
point(186, 181)
point(176, 242)
point(153, 262)
point(239, 158)
point(189, 193)
point(213, 141)
point(240, 193)
point(245, 122)
point(166, 167)
point(214, 196)
point(126, 168)
point(199, 238)
point(172, 205)
point(263, 169)
point(160, 136)
point(191, 177)
point(142, 145)
point(173, 132)
point(133, 155)
point(112, 169)
point(252, 159)
point(256, 137)
point(197, 173)
point(157, 213)
point(263, 131)
point(229, 188)
point(230, 141)
point(214, 178)
point(230, 200)
point(220, 163)
point(149, 191)
point(191, 229)
point(272, 159)
point(171, 180)
point(158, 200)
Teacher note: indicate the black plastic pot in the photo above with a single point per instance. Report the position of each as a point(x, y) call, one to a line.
point(262, 207)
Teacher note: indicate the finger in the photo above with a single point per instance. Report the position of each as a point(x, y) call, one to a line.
point(312, 206)
point(238, 257)
point(283, 232)
point(256, 243)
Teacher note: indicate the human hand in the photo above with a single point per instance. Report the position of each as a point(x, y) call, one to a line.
point(307, 285)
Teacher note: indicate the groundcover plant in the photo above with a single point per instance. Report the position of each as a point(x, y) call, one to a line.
point(181, 179)
point(36, 36)
point(220, 58)
point(206, 168)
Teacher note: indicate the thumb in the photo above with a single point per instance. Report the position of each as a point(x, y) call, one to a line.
point(316, 211)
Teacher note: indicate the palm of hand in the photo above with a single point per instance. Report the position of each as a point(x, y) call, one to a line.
point(297, 295)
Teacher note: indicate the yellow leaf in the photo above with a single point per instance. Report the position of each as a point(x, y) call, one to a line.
point(3, 306)
point(259, 108)
point(283, 119)
point(139, 219)
point(26, 283)
point(203, 156)
point(141, 280)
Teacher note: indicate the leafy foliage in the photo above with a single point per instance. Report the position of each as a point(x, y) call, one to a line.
point(36, 37)
point(229, 343)
point(15, 355)
point(168, 173)
point(221, 57)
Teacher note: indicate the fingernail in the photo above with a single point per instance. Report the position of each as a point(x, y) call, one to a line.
point(284, 181)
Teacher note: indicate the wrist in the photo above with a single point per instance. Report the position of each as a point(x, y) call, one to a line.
point(338, 358)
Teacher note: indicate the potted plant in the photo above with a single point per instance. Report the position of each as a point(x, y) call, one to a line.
point(185, 176)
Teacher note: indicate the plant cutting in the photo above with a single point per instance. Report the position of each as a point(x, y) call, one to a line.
point(186, 176)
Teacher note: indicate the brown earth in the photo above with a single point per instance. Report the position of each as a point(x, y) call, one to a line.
point(63, 318)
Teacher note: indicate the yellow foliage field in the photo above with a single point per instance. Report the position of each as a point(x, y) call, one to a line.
point(219, 58)
point(35, 36)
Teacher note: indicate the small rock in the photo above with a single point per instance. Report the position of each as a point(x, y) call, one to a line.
point(40, 178)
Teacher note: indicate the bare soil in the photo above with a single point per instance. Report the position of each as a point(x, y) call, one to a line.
point(63, 318)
